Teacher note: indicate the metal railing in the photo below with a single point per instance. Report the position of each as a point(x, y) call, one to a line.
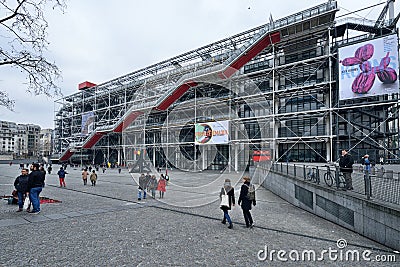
point(378, 184)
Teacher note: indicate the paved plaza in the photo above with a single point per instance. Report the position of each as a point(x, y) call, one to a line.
point(106, 225)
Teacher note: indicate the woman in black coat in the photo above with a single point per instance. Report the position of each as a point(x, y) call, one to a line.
point(246, 203)
point(228, 190)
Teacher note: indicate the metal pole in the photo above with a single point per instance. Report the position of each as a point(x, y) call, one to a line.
point(294, 170)
point(337, 177)
point(367, 183)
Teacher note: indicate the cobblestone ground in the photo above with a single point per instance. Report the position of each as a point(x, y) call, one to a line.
point(106, 225)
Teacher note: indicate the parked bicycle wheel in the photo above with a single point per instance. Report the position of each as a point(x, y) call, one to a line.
point(328, 179)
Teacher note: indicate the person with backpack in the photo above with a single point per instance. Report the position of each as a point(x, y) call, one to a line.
point(228, 190)
point(247, 198)
point(21, 185)
point(61, 175)
point(93, 178)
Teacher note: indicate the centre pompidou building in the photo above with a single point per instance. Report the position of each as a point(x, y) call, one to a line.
point(300, 88)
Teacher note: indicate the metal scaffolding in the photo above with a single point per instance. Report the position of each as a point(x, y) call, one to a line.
point(276, 84)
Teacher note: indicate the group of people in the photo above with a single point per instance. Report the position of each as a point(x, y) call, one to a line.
point(346, 162)
point(30, 184)
point(246, 201)
point(92, 177)
point(149, 183)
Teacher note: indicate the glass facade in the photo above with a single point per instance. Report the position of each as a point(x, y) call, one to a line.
point(284, 100)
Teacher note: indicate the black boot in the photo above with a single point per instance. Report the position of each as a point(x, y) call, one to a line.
point(223, 220)
point(230, 226)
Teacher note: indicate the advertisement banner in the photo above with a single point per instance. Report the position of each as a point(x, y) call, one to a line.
point(87, 123)
point(212, 133)
point(369, 68)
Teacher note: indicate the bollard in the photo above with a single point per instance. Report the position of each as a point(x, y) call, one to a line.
point(317, 175)
point(294, 170)
point(287, 168)
point(337, 177)
point(304, 172)
point(367, 184)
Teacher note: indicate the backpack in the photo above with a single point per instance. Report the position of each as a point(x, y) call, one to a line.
point(251, 192)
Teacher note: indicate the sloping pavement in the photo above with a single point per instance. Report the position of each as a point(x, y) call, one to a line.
point(106, 225)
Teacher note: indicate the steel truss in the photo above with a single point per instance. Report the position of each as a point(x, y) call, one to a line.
point(282, 99)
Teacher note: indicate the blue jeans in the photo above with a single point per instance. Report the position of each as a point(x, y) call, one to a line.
point(34, 197)
point(21, 197)
point(227, 217)
point(140, 193)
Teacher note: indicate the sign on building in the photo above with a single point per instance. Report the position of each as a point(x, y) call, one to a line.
point(212, 133)
point(87, 123)
point(369, 68)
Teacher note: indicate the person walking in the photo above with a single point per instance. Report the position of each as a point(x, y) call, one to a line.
point(61, 176)
point(35, 183)
point(93, 178)
point(346, 162)
point(227, 189)
point(21, 185)
point(49, 169)
point(245, 202)
point(161, 186)
point(142, 186)
point(152, 186)
point(85, 175)
point(41, 168)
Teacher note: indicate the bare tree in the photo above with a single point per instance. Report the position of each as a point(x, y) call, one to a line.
point(23, 42)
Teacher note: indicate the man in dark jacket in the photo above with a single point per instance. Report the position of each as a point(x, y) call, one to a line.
point(245, 202)
point(35, 183)
point(21, 185)
point(346, 162)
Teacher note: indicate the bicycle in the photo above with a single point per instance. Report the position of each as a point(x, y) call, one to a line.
point(329, 178)
point(312, 176)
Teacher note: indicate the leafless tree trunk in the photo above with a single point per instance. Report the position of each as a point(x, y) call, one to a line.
point(23, 33)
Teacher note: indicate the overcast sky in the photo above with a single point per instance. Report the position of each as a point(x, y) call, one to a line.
point(97, 40)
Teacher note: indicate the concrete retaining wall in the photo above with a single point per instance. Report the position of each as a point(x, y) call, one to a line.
point(375, 220)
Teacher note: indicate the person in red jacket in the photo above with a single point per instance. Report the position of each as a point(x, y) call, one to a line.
point(161, 187)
